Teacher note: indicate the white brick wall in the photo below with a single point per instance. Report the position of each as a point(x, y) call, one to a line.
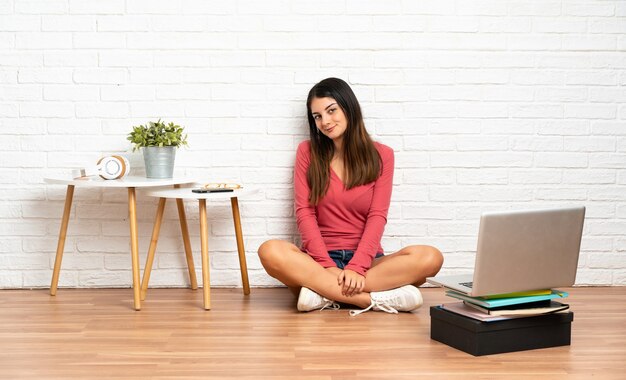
point(488, 104)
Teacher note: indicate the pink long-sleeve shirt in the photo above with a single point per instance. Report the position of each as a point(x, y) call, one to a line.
point(343, 219)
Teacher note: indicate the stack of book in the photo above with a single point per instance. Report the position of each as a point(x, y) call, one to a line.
point(507, 306)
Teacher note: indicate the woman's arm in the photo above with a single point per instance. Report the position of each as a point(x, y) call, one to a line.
point(312, 241)
point(376, 217)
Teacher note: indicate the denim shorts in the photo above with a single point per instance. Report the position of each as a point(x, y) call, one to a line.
point(342, 257)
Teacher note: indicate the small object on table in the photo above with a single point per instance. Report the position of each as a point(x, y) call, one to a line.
point(218, 190)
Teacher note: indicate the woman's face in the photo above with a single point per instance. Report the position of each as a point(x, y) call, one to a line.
point(329, 117)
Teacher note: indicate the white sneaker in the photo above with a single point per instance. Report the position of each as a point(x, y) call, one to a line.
point(404, 298)
point(309, 300)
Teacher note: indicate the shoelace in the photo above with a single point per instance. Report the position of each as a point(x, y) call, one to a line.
point(330, 305)
point(380, 305)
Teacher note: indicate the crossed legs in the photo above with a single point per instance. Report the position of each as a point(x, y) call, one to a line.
point(294, 268)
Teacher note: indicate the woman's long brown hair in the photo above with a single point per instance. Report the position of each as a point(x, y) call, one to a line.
point(361, 159)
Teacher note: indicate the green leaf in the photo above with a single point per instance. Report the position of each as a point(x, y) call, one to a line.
point(157, 134)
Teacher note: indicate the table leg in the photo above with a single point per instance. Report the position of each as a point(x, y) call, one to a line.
point(153, 244)
point(188, 254)
point(204, 244)
point(240, 248)
point(69, 195)
point(134, 246)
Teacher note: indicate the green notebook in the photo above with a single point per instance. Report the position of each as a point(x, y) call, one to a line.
point(497, 302)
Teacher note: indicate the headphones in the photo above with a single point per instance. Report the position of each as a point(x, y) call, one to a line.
point(108, 167)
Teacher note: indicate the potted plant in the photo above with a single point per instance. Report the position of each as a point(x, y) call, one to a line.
point(159, 142)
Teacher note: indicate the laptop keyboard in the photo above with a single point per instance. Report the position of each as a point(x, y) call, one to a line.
point(467, 284)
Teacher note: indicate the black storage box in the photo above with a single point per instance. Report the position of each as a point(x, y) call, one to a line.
point(485, 338)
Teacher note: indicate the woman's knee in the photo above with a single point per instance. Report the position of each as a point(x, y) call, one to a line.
point(430, 258)
point(269, 249)
point(272, 252)
point(434, 259)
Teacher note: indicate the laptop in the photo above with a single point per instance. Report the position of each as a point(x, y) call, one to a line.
point(522, 251)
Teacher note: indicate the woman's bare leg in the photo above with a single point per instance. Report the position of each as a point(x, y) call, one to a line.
point(296, 289)
point(409, 266)
point(294, 268)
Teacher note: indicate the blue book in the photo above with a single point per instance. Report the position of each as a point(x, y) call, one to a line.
point(497, 302)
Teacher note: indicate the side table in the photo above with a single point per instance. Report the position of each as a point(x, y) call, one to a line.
point(129, 182)
point(185, 193)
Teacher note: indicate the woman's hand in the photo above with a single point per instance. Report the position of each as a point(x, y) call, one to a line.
point(352, 283)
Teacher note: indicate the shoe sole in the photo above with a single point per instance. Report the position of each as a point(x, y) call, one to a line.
point(305, 293)
point(420, 300)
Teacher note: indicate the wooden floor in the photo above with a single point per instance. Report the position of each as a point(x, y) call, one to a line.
point(96, 334)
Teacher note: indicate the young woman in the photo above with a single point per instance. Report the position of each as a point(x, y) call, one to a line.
point(342, 185)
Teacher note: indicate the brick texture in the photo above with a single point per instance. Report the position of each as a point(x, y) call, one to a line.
point(489, 105)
